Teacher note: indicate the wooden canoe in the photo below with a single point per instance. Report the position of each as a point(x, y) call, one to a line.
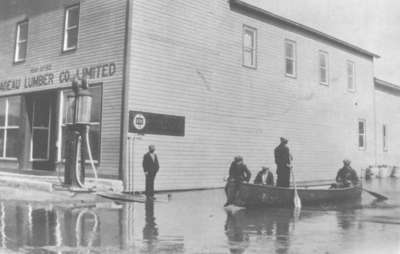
point(255, 195)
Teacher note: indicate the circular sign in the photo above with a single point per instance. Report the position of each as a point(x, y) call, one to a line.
point(139, 121)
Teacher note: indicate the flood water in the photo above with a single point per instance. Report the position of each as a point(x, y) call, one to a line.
point(196, 222)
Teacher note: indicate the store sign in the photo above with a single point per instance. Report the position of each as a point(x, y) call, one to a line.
point(44, 77)
point(158, 124)
point(139, 122)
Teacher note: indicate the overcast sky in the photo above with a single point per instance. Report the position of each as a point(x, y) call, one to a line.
point(371, 24)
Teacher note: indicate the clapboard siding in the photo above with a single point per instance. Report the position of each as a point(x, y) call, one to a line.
point(387, 111)
point(186, 59)
point(101, 40)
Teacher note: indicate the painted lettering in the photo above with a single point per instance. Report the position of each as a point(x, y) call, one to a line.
point(104, 70)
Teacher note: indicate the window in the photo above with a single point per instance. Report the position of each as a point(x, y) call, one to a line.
point(71, 25)
point(323, 68)
point(9, 127)
point(361, 134)
point(350, 76)
point(384, 138)
point(21, 41)
point(249, 47)
point(290, 58)
point(40, 128)
point(95, 120)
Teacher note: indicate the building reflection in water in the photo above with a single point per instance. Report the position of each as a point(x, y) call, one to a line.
point(48, 229)
point(26, 226)
point(243, 225)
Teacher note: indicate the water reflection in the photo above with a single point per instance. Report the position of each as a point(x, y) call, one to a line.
point(265, 224)
point(25, 225)
point(150, 230)
point(195, 222)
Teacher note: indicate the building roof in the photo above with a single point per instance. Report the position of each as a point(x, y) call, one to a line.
point(302, 27)
point(380, 82)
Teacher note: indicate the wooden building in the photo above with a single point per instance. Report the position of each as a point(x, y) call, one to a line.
point(224, 76)
point(44, 44)
point(387, 98)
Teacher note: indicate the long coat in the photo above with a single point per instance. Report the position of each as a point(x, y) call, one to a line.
point(282, 155)
point(149, 165)
point(239, 172)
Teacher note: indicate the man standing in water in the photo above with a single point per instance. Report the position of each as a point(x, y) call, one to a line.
point(238, 173)
point(283, 162)
point(150, 168)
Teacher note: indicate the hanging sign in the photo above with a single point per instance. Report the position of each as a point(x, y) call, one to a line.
point(157, 124)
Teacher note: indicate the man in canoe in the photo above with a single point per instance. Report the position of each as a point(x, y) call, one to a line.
point(283, 162)
point(238, 173)
point(346, 176)
point(265, 176)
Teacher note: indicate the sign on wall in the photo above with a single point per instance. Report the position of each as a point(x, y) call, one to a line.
point(158, 124)
point(43, 77)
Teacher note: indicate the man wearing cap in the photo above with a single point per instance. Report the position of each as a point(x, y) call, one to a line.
point(238, 173)
point(264, 177)
point(150, 168)
point(283, 161)
point(346, 176)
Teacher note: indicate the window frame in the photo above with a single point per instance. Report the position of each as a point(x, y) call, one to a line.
point(385, 139)
point(18, 41)
point(64, 43)
point(353, 76)
point(6, 127)
point(326, 68)
point(294, 58)
point(35, 128)
point(252, 50)
point(363, 135)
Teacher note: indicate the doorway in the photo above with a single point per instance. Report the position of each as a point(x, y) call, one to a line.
point(42, 112)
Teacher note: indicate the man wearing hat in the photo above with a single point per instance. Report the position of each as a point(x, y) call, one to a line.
point(150, 168)
point(264, 177)
point(283, 161)
point(346, 176)
point(238, 173)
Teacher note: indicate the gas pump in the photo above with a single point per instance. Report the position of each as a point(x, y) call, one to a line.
point(77, 126)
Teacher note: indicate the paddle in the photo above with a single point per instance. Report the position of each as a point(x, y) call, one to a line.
point(377, 195)
point(296, 198)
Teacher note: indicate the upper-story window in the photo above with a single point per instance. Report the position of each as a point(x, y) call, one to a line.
point(290, 58)
point(323, 68)
point(351, 85)
point(71, 25)
point(249, 46)
point(21, 41)
point(362, 136)
point(384, 138)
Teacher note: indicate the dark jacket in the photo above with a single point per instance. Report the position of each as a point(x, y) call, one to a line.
point(282, 155)
point(239, 172)
point(269, 179)
point(347, 175)
point(149, 165)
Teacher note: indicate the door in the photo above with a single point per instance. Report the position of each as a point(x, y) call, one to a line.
point(42, 123)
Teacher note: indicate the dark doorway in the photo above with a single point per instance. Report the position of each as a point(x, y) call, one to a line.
point(42, 112)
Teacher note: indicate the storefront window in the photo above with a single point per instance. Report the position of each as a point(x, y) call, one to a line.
point(95, 120)
point(10, 111)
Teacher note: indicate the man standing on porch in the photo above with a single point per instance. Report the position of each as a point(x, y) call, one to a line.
point(283, 162)
point(150, 168)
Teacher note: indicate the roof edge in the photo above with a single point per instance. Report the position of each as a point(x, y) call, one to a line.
point(384, 83)
point(313, 31)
